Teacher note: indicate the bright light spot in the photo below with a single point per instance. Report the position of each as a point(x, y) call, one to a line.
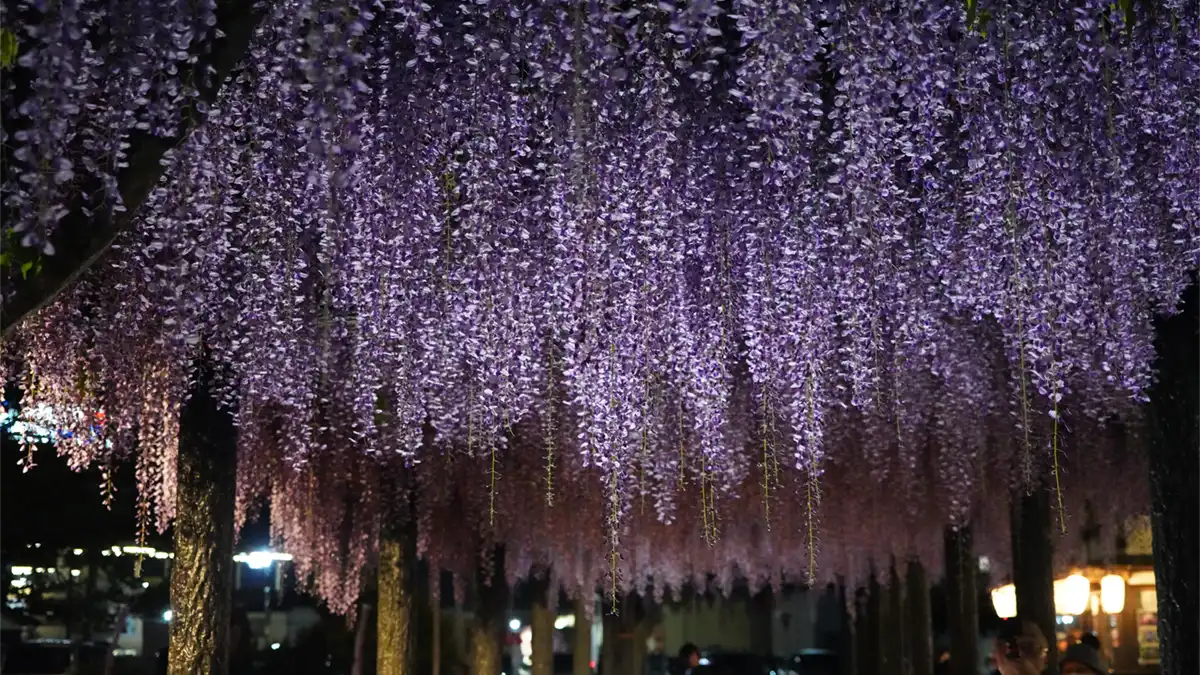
point(19, 583)
point(274, 646)
point(75, 573)
point(145, 584)
point(138, 550)
point(41, 570)
point(50, 570)
point(564, 621)
point(985, 563)
point(168, 615)
point(705, 662)
point(78, 551)
point(514, 625)
point(37, 545)
point(21, 570)
point(1067, 619)
point(259, 560)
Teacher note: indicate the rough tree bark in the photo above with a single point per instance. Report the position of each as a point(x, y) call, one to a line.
point(80, 240)
point(542, 626)
point(962, 601)
point(582, 648)
point(1033, 564)
point(487, 626)
point(919, 620)
point(1174, 484)
point(394, 649)
point(202, 577)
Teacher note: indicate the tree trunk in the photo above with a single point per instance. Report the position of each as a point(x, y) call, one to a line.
point(202, 577)
point(583, 637)
point(543, 627)
point(394, 649)
point(1033, 564)
point(1174, 484)
point(918, 620)
point(487, 628)
point(961, 596)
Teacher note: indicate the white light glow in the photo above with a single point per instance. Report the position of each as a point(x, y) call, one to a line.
point(75, 573)
point(21, 570)
point(78, 551)
point(1071, 595)
point(274, 646)
point(261, 560)
point(564, 621)
point(168, 615)
point(514, 625)
point(145, 584)
point(1112, 594)
point(1004, 600)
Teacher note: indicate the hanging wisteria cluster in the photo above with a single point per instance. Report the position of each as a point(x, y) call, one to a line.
point(637, 289)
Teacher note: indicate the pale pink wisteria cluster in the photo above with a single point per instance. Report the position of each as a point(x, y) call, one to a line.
point(640, 290)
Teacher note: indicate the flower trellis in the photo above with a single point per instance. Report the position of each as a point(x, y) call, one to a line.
point(658, 277)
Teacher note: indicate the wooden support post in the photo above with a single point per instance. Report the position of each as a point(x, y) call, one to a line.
point(847, 663)
point(919, 620)
point(864, 660)
point(761, 608)
point(876, 620)
point(435, 607)
point(1033, 564)
point(895, 627)
point(625, 635)
point(963, 601)
point(1174, 483)
point(544, 611)
point(487, 628)
point(582, 647)
point(394, 649)
point(202, 578)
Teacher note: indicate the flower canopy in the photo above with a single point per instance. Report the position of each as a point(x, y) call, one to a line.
point(637, 289)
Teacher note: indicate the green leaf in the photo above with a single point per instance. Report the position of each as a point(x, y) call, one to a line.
point(25, 267)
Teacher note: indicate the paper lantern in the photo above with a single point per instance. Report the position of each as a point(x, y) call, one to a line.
point(1004, 600)
point(1112, 594)
point(1071, 595)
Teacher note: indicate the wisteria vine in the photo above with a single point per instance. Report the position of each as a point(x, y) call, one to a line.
point(593, 275)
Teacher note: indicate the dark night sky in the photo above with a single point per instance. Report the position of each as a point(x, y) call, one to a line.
point(60, 508)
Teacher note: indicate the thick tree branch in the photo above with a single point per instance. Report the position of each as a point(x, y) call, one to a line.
point(80, 240)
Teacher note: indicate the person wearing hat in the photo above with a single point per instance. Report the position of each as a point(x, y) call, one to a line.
point(1082, 659)
point(1021, 648)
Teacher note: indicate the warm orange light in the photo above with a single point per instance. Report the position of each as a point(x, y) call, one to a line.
point(1071, 595)
point(1004, 600)
point(1112, 594)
